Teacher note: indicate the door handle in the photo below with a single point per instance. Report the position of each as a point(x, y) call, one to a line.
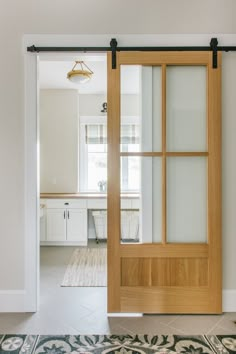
point(64, 214)
point(68, 214)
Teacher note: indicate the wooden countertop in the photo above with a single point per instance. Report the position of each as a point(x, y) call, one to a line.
point(84, 196)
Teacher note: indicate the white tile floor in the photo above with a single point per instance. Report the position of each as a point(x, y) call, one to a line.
point(83, 310)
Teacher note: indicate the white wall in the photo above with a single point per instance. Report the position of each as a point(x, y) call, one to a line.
point(58, 141)
point(102, 17)
point(91, 105)
point(106, 16)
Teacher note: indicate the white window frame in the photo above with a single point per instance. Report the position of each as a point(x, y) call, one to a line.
point(83, 152)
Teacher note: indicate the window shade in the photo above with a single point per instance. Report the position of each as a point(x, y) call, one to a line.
point(97, 134)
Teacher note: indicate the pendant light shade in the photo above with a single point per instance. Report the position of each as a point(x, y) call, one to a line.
point(81, 75)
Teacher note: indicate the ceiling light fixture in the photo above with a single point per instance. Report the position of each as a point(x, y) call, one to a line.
point(80, 76)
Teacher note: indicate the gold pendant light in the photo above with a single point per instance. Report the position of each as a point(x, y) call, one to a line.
point(80, 76)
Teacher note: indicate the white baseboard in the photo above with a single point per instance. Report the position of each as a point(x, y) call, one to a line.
point(229, 300)
point(15, 301)
point(12, 300)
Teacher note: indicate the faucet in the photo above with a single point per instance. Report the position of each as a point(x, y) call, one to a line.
point(102, 186)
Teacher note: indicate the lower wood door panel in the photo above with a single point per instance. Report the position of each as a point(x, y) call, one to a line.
point(164, 272)
point(168, 285)
point(167, 300)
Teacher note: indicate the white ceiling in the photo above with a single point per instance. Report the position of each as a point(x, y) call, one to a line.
point(53, 74)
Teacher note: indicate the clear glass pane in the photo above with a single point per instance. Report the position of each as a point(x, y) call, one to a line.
point(186, 108)
point(140, 108)
point(141, 216)
point(130, 174)
point(156, 108)
point(97, 172)
point(187, 199)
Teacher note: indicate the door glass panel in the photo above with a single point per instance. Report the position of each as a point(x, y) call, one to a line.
point(186, 108)
point(130, 174)
point(141, 213)
point(140, 108)
point(156, 198)
point(187, 199)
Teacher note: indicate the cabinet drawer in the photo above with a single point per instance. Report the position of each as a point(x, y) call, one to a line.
point(102, 204)
point(66, 203)
point(97, 203)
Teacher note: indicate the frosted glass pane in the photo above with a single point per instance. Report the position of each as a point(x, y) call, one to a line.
point(157, 200)
point(130, 169)
point(146, 207)
point(186, 108)
point(151, 199)
point(151, 85)
point(140, 128)
point(130, 119)
point(187, 199)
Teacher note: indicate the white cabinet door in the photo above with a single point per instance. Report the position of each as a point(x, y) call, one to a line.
point(56, 225)
point(77, 225)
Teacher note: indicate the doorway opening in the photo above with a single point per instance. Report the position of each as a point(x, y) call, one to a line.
point(70, 257)
point(73, 181)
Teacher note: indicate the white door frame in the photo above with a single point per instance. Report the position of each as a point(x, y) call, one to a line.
point(32, 198)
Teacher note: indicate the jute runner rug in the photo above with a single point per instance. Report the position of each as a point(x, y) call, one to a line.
point(87, 267)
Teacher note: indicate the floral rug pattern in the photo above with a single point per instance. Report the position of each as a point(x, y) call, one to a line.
point(117, 344)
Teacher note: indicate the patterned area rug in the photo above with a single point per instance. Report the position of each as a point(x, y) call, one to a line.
point(87, 267)
point(115, 344)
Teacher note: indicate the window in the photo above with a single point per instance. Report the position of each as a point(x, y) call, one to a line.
point(93, 155)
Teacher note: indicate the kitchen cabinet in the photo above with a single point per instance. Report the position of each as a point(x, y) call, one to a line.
point(66, 223)
point(56, 225)
point(77, 225)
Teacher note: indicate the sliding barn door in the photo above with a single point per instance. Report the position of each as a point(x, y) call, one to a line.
point(164, 150)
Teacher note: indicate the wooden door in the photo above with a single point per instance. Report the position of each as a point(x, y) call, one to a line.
point(180, 271)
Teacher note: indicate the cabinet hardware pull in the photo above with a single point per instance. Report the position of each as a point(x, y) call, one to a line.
point(68, 214)
point(64, 214)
